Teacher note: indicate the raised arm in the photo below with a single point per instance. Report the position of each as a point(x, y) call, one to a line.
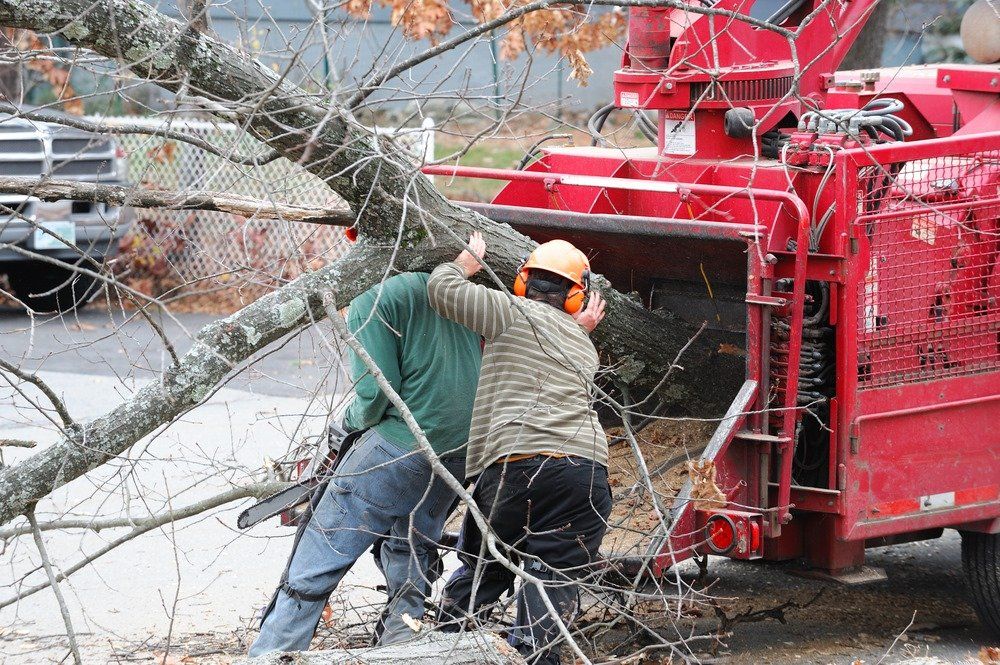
point(453, 296)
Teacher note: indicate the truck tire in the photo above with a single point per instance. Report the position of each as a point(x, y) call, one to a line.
point(981, 561)
point(72, 289)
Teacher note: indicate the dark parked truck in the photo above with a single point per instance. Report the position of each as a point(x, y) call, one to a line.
point(79, 234)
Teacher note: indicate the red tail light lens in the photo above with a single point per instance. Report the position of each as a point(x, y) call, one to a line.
point(721, 533)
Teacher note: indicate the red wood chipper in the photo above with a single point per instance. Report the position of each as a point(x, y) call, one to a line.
point(840, 229)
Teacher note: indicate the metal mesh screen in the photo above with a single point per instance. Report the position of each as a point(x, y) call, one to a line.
point(928, 304)
point(199, 245)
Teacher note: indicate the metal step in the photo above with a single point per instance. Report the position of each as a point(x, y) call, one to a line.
point(759, 437)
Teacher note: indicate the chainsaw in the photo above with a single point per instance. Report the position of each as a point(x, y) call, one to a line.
point(291, 503)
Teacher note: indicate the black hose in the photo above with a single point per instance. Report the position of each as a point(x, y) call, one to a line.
point(533, 150)
point(596, 123)
point(597, 120)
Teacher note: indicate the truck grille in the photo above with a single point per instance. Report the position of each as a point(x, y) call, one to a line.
point(16, 146)
point(74, 154)
point(19, 167)
point(80, 146)
point(79, 168)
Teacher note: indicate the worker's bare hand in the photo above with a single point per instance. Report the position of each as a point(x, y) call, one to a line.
point(468, 260)
point(592, 314)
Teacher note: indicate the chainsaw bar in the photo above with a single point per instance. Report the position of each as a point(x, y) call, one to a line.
point(275, 505)
point(338, 442)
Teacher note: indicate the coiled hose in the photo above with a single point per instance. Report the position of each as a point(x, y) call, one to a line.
point(596, 124)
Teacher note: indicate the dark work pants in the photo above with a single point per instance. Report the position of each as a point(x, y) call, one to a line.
point(554, 512)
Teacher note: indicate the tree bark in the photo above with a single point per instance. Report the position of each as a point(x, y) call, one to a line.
point(431, 648)
point(405, 224)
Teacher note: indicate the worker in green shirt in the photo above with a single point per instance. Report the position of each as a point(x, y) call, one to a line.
point(384, 485)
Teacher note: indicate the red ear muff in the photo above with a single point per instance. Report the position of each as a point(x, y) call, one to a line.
point(521, 283)
point(574, 300)
point(577, 295)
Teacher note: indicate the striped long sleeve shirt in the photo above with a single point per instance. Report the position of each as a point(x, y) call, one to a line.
point(534, 392)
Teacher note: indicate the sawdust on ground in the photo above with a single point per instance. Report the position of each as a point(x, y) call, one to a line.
point(666, 446)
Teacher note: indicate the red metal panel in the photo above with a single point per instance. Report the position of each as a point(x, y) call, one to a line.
point(919, 372)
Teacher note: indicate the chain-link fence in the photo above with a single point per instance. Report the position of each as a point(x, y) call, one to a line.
point(205, 249)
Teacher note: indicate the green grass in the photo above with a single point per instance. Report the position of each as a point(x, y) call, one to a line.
point(494, 153)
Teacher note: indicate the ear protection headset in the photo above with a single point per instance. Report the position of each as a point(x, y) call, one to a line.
point(575, 297)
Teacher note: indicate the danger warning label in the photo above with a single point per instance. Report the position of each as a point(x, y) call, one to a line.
point(679, 134)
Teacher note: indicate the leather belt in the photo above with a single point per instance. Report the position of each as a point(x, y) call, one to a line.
point(522, 457)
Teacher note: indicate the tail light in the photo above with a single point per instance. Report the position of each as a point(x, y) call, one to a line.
point(720, 532)
point(733, 533)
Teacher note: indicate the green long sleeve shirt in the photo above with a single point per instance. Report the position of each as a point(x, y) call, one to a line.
point(431, 362)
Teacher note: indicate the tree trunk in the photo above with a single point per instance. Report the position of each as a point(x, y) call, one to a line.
point(405, 224)
point(474, 648)
point(11, 84)
point(866, 53)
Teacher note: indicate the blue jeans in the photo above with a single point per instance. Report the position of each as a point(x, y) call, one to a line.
point(378, 488)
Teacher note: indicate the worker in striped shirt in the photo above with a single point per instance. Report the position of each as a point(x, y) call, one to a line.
point(536, 450)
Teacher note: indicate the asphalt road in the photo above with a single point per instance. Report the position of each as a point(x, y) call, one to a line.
point(122, 344)
point(201, 582)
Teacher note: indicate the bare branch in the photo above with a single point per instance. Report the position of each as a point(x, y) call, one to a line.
point(17, 443)
point(138, 197)
point(140, 526)
point(50, 394)
point(117, 128)
point(63, 610)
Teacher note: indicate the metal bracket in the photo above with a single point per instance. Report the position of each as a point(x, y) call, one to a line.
point(769, 301)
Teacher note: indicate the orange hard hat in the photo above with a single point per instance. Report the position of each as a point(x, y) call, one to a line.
point(563, 259)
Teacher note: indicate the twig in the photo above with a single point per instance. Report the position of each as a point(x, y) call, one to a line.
point(751, 615)
point(36, 532)
point(17, 443)
point(34, 380)
point(898, 637)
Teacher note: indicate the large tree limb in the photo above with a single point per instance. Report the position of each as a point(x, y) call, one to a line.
point(138, 197)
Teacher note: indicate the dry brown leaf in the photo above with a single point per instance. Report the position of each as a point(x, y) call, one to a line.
point(704, 492)
point(54, 75)
point(580, 71)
